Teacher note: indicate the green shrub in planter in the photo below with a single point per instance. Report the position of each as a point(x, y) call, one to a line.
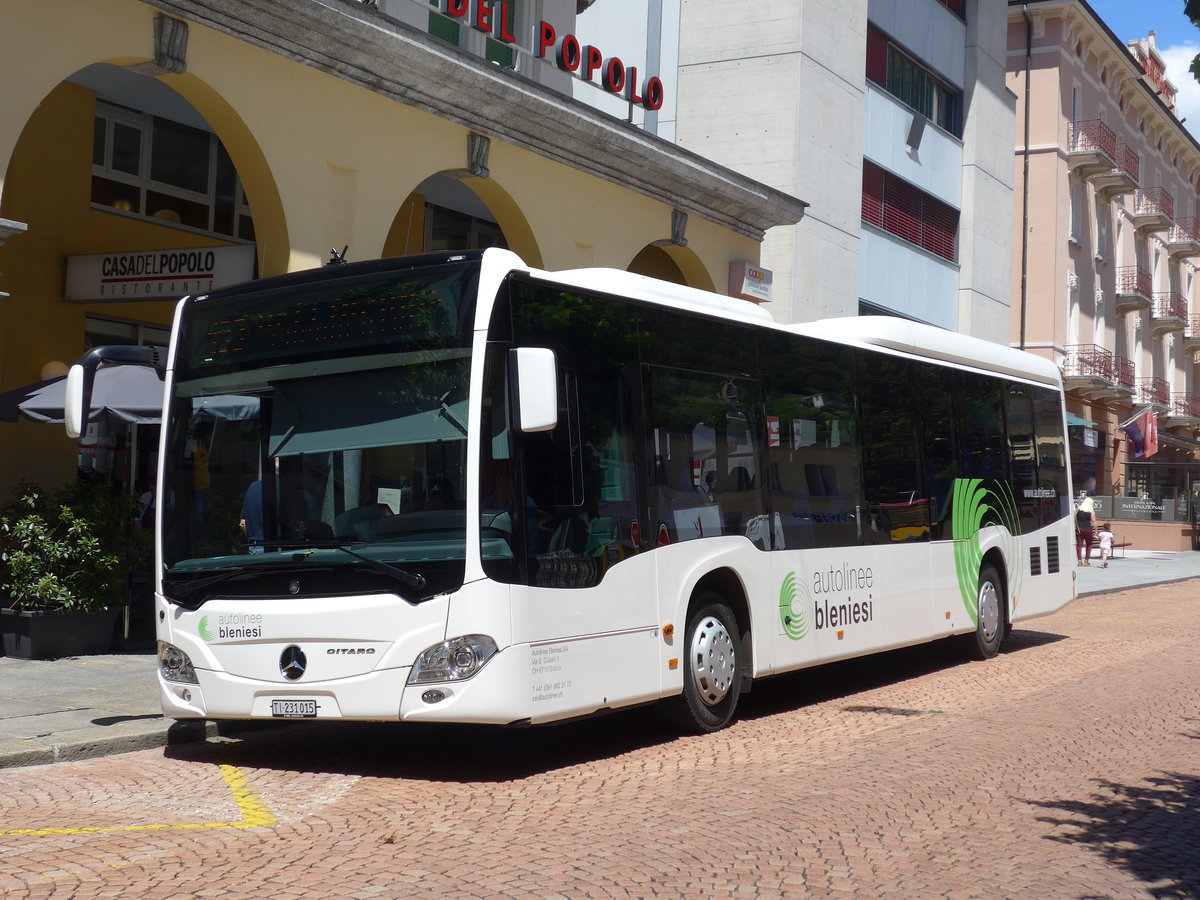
point(53, 557)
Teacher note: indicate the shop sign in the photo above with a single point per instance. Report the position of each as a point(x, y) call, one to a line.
point(156, 274)
point(585, 61)
point(749, 282)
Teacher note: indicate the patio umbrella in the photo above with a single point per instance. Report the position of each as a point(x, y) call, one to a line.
point(9, 400)
point(128, 393)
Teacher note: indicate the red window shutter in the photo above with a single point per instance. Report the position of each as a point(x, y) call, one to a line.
point(876, 56)
point(902, 209)
point(941, 227)
point(872, 196)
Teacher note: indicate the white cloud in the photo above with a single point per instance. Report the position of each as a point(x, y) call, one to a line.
point(1187, 101)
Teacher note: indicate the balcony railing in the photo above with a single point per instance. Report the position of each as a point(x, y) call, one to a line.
point(1185, 231)
point(1134, 280)
point(1129, 162)
point(1185, 405)
point(1089, 361)
point(1191, 331)
point(1125, 372)
point(1091, 135)
point(1154, 390)
point(1169, 305)
point(1153, 202)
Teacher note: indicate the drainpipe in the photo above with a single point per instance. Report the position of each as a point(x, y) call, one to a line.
point(1025, 177)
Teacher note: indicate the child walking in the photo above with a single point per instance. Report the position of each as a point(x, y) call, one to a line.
point(1106, 539)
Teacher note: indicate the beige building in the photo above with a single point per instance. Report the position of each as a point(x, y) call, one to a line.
point(1107, 244)
point(150, 148)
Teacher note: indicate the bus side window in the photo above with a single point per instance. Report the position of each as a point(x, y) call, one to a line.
point(1018, 410)
point(811, 448)
point(1054, 495)
point(896, 507)
point(942, 459)
point(580, 476)
point(704, 454)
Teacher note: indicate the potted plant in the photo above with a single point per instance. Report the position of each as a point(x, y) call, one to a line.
point(60, 573)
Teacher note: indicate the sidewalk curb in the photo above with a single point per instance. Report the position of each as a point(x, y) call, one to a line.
point(1118, 589)
point(37, 752)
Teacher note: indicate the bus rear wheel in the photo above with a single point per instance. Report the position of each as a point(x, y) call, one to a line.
point(712, 668)
point(990, 625)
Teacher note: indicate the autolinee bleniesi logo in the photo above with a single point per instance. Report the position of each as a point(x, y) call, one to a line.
point(800, 611)
point(231, 627)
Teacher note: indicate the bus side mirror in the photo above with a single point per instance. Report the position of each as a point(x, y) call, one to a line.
point(81, 378)
point(78, 399)
point(534, 376)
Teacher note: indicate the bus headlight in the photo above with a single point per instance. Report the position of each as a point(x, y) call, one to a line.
point(454, 660)
point(174, 664)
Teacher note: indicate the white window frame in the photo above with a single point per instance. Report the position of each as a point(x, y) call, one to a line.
point(144, 123)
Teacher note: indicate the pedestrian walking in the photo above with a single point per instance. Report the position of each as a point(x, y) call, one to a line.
point(1105, 536)
point(1085, 530)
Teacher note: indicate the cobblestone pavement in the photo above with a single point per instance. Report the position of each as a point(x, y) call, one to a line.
point(1068, 767)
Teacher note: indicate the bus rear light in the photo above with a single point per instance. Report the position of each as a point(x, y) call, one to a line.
point(175, 665)
point(457, 659)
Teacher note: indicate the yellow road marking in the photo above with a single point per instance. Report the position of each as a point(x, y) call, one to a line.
point(255, 813)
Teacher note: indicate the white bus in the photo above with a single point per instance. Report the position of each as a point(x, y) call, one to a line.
point(453, 488)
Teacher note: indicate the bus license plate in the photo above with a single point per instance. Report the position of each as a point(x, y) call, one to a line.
point(294, 709)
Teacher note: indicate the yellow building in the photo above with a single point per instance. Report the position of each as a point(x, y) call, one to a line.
point(268, 133)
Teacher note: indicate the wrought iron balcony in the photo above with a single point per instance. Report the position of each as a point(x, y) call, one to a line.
point(1094, 372)
point(1184, 238)
point(1191, 335)
point(1089, 361)
point(1168, 312)
point(1125, 372)
point(1091, 147)
point(1185, 406)
point(1135, 286)
point(1154, 390)
point(1152, 209)
point(1123, 177)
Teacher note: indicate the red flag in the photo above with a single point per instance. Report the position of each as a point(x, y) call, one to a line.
point(1143, 433)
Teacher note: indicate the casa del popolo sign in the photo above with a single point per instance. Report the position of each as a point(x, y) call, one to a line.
point(156, 274)
point(585, 61)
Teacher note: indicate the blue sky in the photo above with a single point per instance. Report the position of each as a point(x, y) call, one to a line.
point(1178, 41)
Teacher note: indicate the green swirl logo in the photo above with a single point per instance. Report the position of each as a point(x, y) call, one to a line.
point(977, 506)
point(205, 631)
point(793, 616)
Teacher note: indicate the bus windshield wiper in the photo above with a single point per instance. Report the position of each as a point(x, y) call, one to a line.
point(412, 580)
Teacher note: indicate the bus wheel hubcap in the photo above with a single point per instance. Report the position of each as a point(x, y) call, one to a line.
point(989, 611)
point(712, 660)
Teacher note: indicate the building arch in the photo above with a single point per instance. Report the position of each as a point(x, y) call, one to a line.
point(472, 197)
point(673, 263)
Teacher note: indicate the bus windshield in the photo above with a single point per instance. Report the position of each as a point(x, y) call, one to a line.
point(318, 434)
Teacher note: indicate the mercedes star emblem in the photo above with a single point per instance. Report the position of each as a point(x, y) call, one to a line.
point(292, 663)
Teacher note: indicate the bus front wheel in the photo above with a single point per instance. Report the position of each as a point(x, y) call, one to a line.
point(989, 626)
point(712, 669)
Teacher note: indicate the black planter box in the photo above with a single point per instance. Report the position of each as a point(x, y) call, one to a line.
point(38, 634)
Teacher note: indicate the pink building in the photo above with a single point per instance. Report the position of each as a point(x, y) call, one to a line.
point(1105, 255)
